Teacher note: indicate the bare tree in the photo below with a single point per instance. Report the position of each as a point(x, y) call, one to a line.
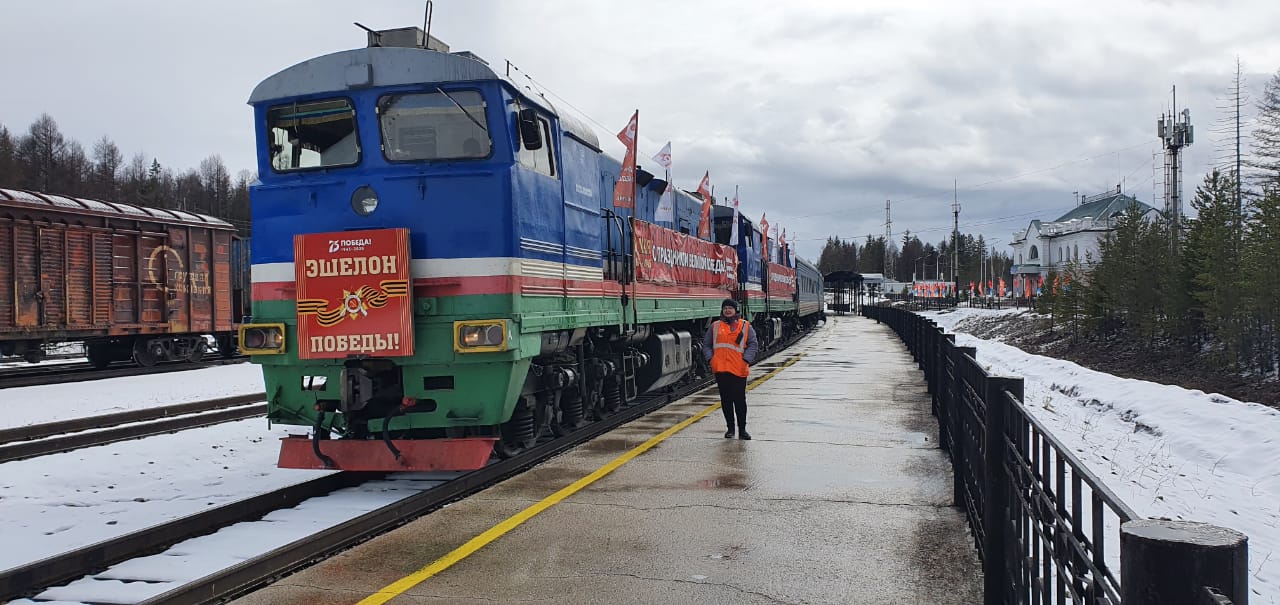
point(41, 151)
point(1266, 135)
point(107, 165)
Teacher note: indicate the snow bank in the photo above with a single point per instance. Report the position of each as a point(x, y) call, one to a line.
point(1166, 451)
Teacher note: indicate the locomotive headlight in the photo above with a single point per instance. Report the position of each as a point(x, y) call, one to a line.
point(364, 201)
point(262, 339)
point(480, 336)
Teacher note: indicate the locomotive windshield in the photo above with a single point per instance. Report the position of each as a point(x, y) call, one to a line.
point(434, 126)
point(313, 135)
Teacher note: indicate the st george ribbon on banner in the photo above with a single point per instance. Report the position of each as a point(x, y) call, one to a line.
point(624, 191)
point(670, 258)
point(666, 211)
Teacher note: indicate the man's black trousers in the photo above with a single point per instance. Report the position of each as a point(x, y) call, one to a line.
point(733, 398)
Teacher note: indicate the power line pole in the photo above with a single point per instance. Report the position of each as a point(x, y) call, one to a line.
point(955, 238)
point(888, 237)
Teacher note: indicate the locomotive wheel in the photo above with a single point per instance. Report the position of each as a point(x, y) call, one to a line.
point(518, 434)
point(34, 355)
point(143, 355)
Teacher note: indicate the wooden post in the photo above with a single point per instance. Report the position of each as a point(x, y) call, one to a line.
point(1165, 562)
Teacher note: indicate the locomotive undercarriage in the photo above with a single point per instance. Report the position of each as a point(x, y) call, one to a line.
point(578, 377)
point(596, 373)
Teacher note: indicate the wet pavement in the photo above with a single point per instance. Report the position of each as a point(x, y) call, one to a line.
point(841, 497)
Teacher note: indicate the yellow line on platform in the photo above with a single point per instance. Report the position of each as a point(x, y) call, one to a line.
point(402, 585)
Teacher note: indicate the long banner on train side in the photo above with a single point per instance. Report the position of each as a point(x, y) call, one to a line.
point(782, 281)
point(671, 258)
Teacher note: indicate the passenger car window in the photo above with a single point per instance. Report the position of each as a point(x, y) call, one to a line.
point(315, 134)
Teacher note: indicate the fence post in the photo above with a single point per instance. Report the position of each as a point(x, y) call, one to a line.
point(995, 513)
point(952, 420)
point(1165, 562)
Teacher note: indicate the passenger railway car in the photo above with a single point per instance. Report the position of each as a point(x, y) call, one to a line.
point(439, 272)
point(808, 293)
point(130, 282)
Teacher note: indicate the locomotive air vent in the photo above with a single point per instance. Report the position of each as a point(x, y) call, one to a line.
point(406, 37)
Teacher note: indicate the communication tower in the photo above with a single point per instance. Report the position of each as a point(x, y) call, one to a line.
point(1175, 132)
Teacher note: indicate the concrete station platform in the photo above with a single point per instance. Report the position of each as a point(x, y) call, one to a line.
point(842, 497)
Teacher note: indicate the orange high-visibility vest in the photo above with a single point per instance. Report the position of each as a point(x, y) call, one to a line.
point(730, 344)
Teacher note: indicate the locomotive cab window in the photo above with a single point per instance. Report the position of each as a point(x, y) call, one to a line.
point(543, 159)
point(434, 126)
point(315, 134)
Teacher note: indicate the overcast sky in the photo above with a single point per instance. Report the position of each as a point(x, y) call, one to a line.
point(819, 111)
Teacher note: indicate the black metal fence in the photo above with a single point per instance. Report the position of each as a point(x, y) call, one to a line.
point(1047, 530)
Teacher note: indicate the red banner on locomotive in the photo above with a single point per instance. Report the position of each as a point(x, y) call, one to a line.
point(782, 281)
point(670, 258)
point(353, 294)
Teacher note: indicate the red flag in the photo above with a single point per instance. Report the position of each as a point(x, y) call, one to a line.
point(1002, 287)
point(624, 191)
point(704, 222)
point(972, 286)
point(764, 226)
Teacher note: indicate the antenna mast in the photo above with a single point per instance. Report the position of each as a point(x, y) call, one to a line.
point(1175, 132)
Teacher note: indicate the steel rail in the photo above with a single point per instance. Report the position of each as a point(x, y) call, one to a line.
point(49, 429)
point(75, 564)
point(75, 441)
point(64, 373)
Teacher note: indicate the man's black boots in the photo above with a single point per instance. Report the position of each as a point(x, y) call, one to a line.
point(728, 434)
point(742, 434)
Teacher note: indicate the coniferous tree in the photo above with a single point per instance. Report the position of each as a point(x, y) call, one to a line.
point(10, 168)
point(1262, 265)
point(1211, 268)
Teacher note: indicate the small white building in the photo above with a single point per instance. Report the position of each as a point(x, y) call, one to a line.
point(1073, 237)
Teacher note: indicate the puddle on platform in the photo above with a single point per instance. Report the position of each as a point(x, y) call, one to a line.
point(737, 481)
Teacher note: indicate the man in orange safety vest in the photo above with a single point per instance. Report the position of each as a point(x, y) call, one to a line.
point(730, 346)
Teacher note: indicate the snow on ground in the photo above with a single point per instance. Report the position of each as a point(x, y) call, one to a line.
point(46, 403)
point(1166, 451)
point(139, 579)
point(59, 502)
point(17, 363)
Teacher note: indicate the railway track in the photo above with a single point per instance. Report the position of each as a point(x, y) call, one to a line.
point(79, 372)
point(66, 435)
point(249, 574)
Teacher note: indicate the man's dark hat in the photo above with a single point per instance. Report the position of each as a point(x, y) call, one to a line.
point(729, 302)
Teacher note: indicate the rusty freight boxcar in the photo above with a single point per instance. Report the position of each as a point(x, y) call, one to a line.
point(129, 282)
